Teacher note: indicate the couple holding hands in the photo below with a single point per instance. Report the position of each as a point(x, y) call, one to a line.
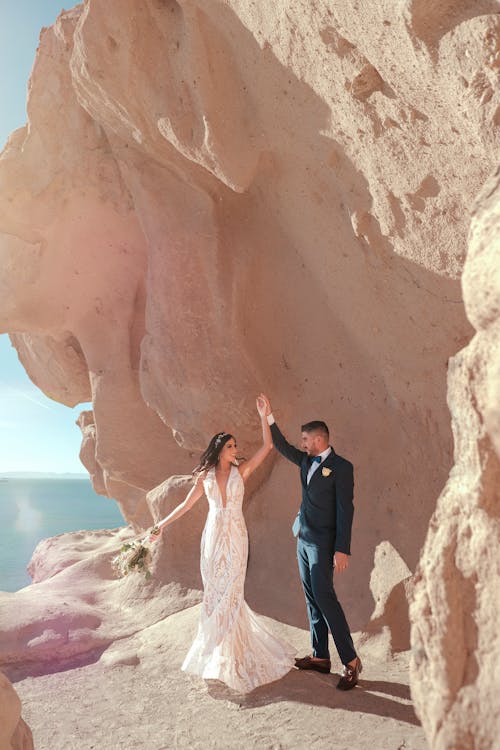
point(232, 643)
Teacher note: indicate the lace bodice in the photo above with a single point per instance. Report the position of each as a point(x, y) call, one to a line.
point(235, 490)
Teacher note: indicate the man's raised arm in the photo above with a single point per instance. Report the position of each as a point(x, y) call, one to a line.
point(282, 445)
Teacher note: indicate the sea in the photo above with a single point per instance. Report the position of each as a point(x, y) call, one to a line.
point(32, 509)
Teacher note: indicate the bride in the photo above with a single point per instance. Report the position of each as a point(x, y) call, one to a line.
point(232, 644)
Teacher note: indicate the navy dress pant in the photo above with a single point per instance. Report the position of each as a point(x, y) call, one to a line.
point(323, 607)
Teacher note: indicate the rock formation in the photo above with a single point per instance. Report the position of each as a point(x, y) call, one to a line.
point(14, 733)
point(216, 199)
point(76, 607)
point(455, 605)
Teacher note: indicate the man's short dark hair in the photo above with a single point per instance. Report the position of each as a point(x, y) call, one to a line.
point(316, 426)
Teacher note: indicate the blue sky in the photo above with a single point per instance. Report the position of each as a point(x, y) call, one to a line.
point(36, 434)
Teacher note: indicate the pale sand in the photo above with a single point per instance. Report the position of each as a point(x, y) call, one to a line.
point(136, 696)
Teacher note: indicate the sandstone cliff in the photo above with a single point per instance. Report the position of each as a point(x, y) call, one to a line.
point(455, 603)
point(213, 199)
point(14, 733)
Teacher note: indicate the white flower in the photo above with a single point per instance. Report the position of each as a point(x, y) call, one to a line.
point(133, 556)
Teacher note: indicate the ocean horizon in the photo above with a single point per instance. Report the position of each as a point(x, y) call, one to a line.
point(34, 506)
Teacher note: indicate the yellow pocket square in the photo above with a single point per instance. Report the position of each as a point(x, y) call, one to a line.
point(326, 471)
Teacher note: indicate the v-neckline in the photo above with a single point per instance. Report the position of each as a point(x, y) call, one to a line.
point(224, 504)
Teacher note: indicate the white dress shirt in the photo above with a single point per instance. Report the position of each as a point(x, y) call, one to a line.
point(315, 465)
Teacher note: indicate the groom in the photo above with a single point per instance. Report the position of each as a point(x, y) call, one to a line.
point(323, 531)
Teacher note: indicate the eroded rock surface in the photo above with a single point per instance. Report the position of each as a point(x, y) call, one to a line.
point(14, 732)
point(210, 202)
point(455, 606)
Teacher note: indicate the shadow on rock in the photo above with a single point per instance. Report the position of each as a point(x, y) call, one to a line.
point(16, 673)
point(319, 690)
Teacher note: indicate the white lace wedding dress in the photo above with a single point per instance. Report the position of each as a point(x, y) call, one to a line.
point(232, 643)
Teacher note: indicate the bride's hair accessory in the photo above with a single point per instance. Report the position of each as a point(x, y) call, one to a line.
point(210, 456)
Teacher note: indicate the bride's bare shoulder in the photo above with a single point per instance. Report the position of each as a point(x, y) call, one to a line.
point(200, 476)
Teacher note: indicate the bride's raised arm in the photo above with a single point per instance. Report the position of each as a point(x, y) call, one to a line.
point(267, 442)
point(192, 497)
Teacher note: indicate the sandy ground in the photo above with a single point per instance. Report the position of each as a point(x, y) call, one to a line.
point(134, 695)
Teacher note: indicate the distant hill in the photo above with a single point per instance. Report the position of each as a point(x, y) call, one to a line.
point(41, 475)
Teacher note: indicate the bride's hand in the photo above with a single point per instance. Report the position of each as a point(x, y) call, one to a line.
point(155, 533)
point(262, 405)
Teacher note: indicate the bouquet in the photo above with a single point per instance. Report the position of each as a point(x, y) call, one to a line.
point(133, 556)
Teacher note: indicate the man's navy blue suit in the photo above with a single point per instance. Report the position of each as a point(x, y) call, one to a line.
point(322, 527)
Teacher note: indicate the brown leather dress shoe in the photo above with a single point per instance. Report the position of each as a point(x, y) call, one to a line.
point(313, 662)
point(350, 677)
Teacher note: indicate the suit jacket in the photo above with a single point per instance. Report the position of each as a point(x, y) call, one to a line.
point(326, 512)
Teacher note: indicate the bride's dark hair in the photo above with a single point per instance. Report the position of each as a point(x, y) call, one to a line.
point(210, 456)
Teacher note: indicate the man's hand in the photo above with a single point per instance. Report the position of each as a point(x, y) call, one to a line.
point(341, 561)
point(267, 404)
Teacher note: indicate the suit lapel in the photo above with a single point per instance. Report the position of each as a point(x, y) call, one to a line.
point(329, 463)
point(330, 460)
point(304, 470)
